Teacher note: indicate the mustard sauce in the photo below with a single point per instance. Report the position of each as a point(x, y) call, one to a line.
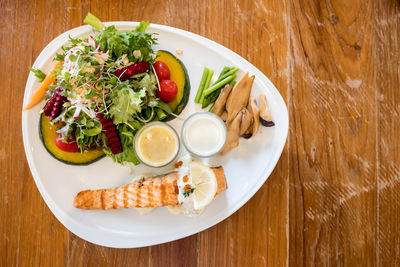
point(157, 144)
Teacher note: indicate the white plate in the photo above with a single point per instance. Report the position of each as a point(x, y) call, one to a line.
point(246, 167)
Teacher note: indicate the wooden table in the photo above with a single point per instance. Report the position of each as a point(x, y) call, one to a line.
point(333, 198)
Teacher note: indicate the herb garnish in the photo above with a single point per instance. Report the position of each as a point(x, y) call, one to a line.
point(187, 193)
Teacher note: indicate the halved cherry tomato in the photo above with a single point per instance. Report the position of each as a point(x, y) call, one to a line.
point(70, 146)
point(162, 70)
point(168, 90)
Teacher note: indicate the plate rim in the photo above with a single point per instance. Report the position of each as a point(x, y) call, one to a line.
point(71, 225)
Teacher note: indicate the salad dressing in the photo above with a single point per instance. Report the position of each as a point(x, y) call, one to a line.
point(204, 134)
point(157, 144)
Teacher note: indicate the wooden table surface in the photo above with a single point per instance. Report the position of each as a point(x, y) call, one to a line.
point(333, 198)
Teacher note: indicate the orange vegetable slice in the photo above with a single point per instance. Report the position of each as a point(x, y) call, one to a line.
point(39, 94)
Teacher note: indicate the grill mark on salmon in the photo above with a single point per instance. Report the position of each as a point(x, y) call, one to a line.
point(162, 194)
point(137, 195)
point(152, 192)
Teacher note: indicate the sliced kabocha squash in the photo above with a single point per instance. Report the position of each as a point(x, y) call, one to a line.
point(47, 133)
point(180, 76)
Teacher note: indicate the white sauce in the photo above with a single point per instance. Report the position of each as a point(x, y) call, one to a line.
point(204, 134)
point(186, 203)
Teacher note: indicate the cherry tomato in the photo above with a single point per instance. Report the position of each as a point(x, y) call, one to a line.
point(70, 146)
point(168, 90)
point(162, 70)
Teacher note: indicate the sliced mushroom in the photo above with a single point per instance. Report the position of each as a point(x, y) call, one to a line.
point(249, 131)
point(239, 97)
point(246, 121)
point(219, 106)
point(249, 108)
point(224, 115)
point(247, 134)
point(265, 114)
point(256, 115)
point(232, 139)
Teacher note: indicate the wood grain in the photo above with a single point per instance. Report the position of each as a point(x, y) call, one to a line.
point(387, 50)
point(334, 186)
point(333, 198)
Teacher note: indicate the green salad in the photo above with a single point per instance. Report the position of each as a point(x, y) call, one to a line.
point(104, 90)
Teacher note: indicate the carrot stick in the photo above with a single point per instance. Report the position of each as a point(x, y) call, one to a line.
point(39, 94)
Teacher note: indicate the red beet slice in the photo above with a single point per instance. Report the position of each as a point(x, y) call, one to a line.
point(114, 142)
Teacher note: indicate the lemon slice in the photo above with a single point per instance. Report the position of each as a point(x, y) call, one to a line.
point(205, 184)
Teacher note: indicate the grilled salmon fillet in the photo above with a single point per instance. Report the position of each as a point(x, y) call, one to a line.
point(152, 192)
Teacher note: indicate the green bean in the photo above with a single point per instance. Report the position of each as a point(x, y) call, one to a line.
point(207, 84)
point(229, 73)
point(207, 100)
point(224, 70)
point(201, 87)
point(219, 85)
point(211, 98)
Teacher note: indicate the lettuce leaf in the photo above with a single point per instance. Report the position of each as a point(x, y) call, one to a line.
point(149, 83)
point(126, 104)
